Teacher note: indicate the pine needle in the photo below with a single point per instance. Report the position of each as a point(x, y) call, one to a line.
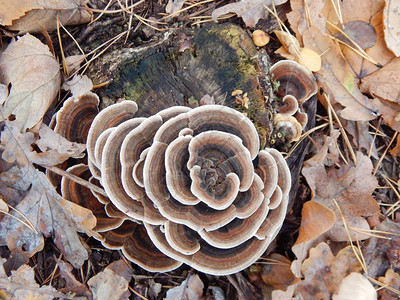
point(384, 153)
point(356, 250)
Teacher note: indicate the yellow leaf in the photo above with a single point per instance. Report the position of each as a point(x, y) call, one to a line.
point(310, 59)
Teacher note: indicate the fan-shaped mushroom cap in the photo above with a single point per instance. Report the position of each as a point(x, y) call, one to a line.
point(109, 117)
point(192, 177)
point(117, 233)
point(202, 119)
point(74, 118)
point(294, 80)
point(81, 195)
point(111, 170)
point(135, 244)
point(288, 126)
point(289, 105)
point(212, 260)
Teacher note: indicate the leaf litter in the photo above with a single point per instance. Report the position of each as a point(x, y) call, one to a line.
point(358, 78)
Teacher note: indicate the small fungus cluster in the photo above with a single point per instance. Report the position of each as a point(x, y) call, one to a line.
point(296, 86)
point(186, 186)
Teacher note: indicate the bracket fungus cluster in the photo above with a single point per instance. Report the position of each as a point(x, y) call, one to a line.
point(195, 183)
point(296, 86)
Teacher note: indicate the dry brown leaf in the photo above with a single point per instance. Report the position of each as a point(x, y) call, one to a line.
point(289, 294)
point(12, 10)
point(54, 145)
point(191, 288)
point(391, 21)
point(3, 93)
point(308, 58)
point(323, 272)
point(173, 6)
point(395, 151)
point(350, 186)
point(355, 287)
point(392, 280)
point(21, 285)
point(385, 82)
point(361, 136)
point(249, 10)
point(278, 273)
point(358, 32)
point(316, 219)
point(383, 252)
point(345, 74)
point(72, 286)
point(79, 85)
point(33, 73)
point(55, 149)
point(50, 214)
point(112, 283)
point(337, 78)
point(298, 17)
point(74, 62)
point(327, 270)
point(33, 15)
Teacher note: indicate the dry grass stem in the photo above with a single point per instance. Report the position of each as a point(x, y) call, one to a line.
point(303, 136)
point(331, 127)
point(106, 44)
point(73, 38)
point(384, 286)
point(338, 11)
point(393, 207)
point(356, 250)
point(384, 153)
point(365, 56)
point(186, 8)
point(27, 223)
point(344, 134)
point(137, 294)
point(105, 11)
point(61, 48)
point(373, 233)
point(284, 28)
point(76, 179)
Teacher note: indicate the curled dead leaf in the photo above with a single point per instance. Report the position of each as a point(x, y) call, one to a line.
point(391, 23)
point(33, 73)
point(34, 15)
point(112, 282)
point(22, 285)
point(249, 10)
point(355, 286)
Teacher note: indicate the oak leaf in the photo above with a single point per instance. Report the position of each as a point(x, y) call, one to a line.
point(55, 149)
point(21, 285)
point(249, 10)
point(48, 213)
point(33, 73)
point(356, 285)
point(323, 273)
point(350, 187)
point(191, 288)
point(71, 284)
point(337, 78)
point(36, 15)
point(392, 280)
point(112, 282)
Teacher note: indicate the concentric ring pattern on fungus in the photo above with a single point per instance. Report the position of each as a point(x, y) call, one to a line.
point(195, 179)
